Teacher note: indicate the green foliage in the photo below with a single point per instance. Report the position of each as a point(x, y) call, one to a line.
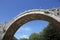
point(34, 36)
point(23, 39)
point(49, 33)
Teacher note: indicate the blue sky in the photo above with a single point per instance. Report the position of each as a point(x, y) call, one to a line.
point(10, 8)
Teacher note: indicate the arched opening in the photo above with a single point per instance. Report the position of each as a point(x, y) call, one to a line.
point(18, 23)
point(34, 26)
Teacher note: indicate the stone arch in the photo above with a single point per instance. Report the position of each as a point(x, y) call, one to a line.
point(27, 16)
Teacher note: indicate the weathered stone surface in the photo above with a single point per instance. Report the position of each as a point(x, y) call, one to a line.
point(8, 29)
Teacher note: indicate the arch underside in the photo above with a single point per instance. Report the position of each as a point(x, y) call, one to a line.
point(18, 23)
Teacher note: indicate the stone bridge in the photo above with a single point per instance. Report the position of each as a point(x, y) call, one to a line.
point(7, 30)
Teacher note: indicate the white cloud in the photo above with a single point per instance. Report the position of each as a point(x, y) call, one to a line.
point(25, 29)
point(24, 36)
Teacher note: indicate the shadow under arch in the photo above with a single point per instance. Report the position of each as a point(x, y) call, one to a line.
point(18, 23)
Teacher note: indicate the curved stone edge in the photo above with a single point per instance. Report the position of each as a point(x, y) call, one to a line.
point(51, 13)
point(4, 27)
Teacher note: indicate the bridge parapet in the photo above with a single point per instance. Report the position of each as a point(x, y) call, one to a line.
point(56, 11)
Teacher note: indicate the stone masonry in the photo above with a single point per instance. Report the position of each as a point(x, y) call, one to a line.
point(54, 13)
